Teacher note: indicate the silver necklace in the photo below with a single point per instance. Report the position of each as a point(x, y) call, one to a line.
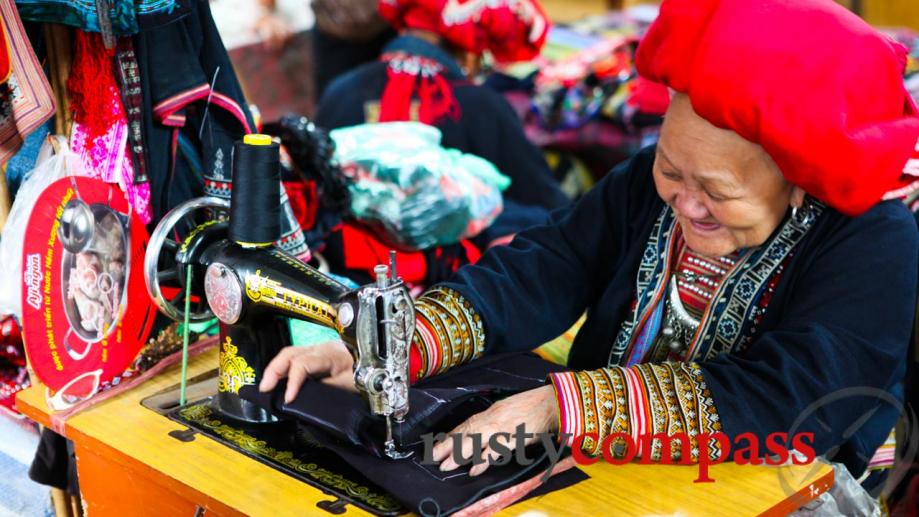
point(679, 325)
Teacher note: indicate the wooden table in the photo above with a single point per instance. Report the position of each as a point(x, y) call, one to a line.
point(129, 465)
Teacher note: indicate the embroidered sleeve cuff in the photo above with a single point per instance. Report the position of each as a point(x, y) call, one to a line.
point(570, 412)
point(613, 406)
point(448, 333)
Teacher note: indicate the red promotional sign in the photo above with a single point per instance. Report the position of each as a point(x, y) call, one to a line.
point(85, 310)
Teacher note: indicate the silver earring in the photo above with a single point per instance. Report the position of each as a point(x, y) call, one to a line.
point(802, 215)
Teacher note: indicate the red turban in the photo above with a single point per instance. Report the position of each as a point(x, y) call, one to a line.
point(512, 30)
point(814, 85)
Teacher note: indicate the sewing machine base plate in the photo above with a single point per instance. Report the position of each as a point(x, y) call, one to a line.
point(289, 448)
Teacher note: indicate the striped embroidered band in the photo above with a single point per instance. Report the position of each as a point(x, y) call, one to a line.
point(638, 401)
point(448, 333)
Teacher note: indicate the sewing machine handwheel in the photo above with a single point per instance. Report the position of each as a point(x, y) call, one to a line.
point(165, 264)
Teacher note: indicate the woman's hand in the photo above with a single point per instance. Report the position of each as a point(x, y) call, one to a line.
point(329, 362)
point(536, 409)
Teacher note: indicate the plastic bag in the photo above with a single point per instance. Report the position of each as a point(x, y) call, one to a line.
point(419, 194)
point(846, 497)
point(52, 164)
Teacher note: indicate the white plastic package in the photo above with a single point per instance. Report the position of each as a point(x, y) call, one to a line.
point(846, 497)
point(419, 194)
point(50, 166)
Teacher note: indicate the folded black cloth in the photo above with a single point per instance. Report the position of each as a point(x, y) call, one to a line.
point(342, 422)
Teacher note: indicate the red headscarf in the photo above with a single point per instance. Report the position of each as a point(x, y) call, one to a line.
point(512, 30)
point(814, 85)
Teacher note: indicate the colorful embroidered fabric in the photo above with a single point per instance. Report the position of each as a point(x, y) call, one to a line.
point(124, 16)
point(109, 159)
point(698, 277)
point(646, 399)
point(729, 323)
point(448, 333)
point(128, 77)
point(885, 456)
point(26, 99)
point(410, 75)
point(100, 127)
point(512, 30)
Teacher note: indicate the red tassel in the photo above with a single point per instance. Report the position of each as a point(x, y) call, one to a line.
point(95, 101)
point(435, 95)
point(397, 96)
point(441, 103)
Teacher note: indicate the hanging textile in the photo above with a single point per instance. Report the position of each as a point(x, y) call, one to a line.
point(100, 127)
point(25, 98)
point(123, 17)
point(6, 67)
point(59, 48)
point(193, 102)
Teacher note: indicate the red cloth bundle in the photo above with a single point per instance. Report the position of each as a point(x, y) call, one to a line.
point(512, 30)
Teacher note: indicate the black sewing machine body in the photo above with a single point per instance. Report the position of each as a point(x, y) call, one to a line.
point(252, 287)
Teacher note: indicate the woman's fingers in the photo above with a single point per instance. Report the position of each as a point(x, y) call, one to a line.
point(298, 373)
point(487, 436)
point(472, 435)
point(488, 456)
point(277, 369)
point(329, 361)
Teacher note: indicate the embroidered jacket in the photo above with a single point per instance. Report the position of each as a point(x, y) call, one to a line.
point(808, 335)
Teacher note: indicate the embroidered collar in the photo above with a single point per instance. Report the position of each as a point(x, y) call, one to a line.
point(419, 47)
point(733, 310)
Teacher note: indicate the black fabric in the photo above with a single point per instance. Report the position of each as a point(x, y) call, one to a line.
point(175, 59)
point(54, 464)
point(436, 405)
point(333, 56)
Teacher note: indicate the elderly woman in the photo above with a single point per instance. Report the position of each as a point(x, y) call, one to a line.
point(733, 276)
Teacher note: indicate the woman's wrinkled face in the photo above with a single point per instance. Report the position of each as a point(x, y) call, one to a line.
point(725, 191)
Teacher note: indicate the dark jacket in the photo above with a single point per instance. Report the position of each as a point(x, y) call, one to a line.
point(830, 349)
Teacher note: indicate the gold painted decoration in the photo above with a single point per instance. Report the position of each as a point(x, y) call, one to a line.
point(201, 415)
point(234, 371)
point(261, 289)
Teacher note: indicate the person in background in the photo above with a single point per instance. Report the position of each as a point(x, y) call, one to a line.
point(425, 75)
point(348, 34)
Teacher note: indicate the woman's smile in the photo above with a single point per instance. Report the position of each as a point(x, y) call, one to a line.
point(704, 226)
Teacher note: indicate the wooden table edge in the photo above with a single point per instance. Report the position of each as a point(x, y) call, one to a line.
point(804, 496)
point(95, 446)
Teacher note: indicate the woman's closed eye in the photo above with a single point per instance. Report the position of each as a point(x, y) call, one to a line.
point(718, 197)
point(672, 176)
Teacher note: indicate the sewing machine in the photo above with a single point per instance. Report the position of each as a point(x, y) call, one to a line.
point(238, 276)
